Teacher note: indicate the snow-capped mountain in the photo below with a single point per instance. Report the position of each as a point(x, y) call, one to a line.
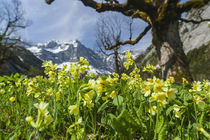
point(69, 52)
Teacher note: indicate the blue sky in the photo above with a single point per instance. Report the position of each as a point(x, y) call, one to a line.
point(66, 20)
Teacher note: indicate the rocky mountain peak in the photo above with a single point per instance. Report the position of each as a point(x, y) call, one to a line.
point(66, 52)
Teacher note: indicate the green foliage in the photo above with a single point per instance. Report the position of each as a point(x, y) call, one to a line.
point(65, 105)
point(124, 124)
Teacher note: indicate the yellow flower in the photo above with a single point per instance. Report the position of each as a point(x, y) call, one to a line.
point(48, 119)
point(92, 74)
point(196, 86)
point(37, 94)
point(50, 91)
point(52, 74)
point(46, 63)
point(29, 119)
point(177, 111)
point(84, 61)
point(151, 81)
point(113, 94)
point(128, 64)
point(184, 81)
point(176, 108)
point(89, 104)
point(149, 68)
point(206, 85)
point(158, 87)
point(74, 109)
point(109, 79)
point(57, 96)
point(153, 97)
point(196, 97)
point(162, 103)
point(12, 99)
point(2, 91)
point(87, 97)
point(171, 94)
point(170, 80)
point(125, 77)
point(29, 90)
point(146, 91)
point(128, 55)
point(42, 107)
point(82, 70)
point(178, 114)
point(200, 104)
point(153, 110)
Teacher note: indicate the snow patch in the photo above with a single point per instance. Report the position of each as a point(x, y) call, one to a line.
point(34, 49)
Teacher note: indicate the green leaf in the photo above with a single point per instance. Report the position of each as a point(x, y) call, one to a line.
point(160, 123)
point(162, 134)
point(124, 124)
point(103, 106)
point(2, 79)
point(17, 75)
point(118, 100)
point(73, 137)
point(177, 138)
point(168, 111)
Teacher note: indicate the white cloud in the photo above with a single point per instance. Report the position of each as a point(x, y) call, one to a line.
point(62, 20)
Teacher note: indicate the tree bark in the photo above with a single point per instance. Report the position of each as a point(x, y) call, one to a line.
point(171, 56)
point(117, 67)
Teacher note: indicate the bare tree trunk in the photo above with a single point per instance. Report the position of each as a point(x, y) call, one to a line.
point(172, 59)
point(116, 55)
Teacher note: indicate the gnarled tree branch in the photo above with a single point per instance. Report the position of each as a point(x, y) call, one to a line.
point(193, 21)
point(131, 42)
point(190, 4)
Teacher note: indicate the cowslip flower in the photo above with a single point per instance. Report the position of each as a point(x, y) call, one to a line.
point(146, 91)
point(171, 93)
point(196, 86)
point(42, 107)
point(52, 74)
point(149, 68)
point(12, 99)
point(89, 104)
point(128, 55)
point(201, 104)
point(29, 119)
point(37, 94)
point(184, 81)
point(50, 91)
point(113, 94)
point(170, 80)
point(158, 87)
point(124, 77)
point(57, 96)
point(177, 112)
point(74, 109)
point(2, 91)
point(153, 110)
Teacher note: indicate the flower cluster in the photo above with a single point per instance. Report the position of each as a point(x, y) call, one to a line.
point(43, 117)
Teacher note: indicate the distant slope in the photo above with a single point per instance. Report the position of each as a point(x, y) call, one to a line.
point(22, 61)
